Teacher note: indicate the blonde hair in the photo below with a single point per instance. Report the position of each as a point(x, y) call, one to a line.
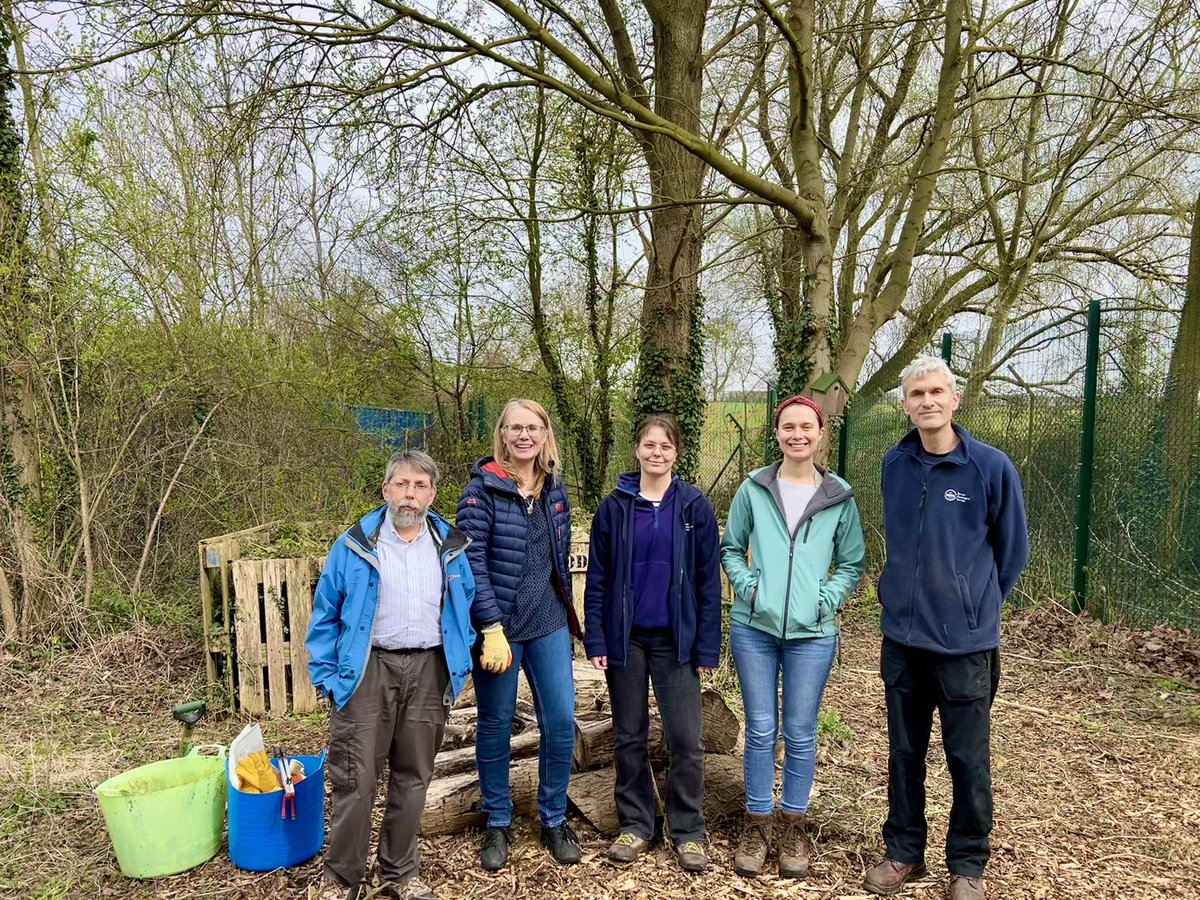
point(547, 459)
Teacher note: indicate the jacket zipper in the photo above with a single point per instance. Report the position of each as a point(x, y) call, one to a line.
point(917, 564)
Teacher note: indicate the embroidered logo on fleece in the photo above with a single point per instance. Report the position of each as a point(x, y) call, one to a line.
point(953, 496)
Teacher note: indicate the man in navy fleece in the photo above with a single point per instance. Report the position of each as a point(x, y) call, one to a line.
point(954, 525)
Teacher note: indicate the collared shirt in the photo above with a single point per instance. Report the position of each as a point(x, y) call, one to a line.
point(410, 590)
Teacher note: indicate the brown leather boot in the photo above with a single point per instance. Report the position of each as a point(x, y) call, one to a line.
point(889, 876)
point(752, 849)
point(963, 887)
point(795, 848)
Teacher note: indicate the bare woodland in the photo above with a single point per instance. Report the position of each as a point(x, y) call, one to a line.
point(225, 223)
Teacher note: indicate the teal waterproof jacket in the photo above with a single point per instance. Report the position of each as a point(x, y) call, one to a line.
point(792, 584)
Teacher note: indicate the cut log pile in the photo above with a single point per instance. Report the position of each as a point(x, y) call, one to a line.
point(453, 804)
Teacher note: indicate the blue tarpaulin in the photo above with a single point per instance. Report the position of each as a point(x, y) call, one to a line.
point(397, 428)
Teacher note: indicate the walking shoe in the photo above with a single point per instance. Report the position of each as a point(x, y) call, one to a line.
point(494, 855)
point(751, 854)
point(691, 856)
point(627, 848)
point(563, 844)
point(964, 887)
point(329, 889)
point(795, 848)
point(889, 876)
point(409, 889)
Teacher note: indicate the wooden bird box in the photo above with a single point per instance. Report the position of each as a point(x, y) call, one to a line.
point(829, 392)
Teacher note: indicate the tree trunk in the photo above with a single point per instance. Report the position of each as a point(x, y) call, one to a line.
point(670, 367)
point(453, 804)
point(591, 793)
point(19, 458)
point(1179, 405)
point(719, 728)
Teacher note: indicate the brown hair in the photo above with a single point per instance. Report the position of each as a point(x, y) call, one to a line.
point(547, 459)
point(666, 423)
point(800, 401)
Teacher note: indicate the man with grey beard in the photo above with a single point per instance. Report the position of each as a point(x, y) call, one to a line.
point(390, 646)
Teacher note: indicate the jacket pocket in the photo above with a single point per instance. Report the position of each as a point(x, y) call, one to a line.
point(753, 599)
point(964, 593)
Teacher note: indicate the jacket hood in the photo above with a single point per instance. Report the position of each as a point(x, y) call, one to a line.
point(832, 485)
point(910, 444)
point(494, 476)
point(365, 532)
point(629, 482)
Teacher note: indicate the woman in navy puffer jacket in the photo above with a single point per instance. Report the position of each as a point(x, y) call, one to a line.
point(516, 514)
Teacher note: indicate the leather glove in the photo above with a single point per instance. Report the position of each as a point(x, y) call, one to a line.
point(496, 655)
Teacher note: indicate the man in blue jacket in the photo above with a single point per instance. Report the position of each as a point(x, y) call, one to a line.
point(954, 525)
point(389, 645)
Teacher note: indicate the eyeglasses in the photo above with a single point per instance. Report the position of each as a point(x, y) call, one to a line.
point(404, 485)
point(517, 430)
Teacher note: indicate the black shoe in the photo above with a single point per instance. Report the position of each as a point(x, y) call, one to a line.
point(563, 844)
point(494, 855)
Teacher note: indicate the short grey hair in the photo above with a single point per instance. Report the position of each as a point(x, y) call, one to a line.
point(927, 365)
point(413, 459)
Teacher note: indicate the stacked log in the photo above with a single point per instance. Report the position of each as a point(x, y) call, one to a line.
point(453, 803)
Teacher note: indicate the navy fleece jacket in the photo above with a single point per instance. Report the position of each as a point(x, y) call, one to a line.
point(694, 598)
point(956, 543)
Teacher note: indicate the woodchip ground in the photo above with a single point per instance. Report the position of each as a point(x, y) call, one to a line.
point(1096, 754)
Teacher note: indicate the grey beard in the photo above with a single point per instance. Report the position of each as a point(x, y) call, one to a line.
point(406, 516)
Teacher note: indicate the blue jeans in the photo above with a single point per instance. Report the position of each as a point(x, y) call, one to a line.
point(547, 664)
point(758, 658)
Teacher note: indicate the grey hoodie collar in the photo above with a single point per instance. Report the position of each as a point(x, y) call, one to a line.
point(830, 492)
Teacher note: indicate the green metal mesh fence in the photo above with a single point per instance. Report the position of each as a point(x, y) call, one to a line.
point(1145, 523)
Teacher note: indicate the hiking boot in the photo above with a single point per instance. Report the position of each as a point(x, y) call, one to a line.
point(627, 847)
point(409, 889)
point(751, 854)
point(964, 887)
point(889, 876)
point(329, 889)
point(691, 856)
point(494, 855)
point(795, 848)
point(563, 844)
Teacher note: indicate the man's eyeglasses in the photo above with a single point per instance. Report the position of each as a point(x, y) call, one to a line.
point(516, 430)
point(417, 486)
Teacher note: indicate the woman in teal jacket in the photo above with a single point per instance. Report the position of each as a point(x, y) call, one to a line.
point(793, 550)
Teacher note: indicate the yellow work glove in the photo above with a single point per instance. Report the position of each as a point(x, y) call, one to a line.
point(496, 656)
point(257, 775)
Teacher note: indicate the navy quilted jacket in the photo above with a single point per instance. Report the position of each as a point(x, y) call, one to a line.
point(491, 513)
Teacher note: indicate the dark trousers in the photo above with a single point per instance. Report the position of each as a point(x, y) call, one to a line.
point(653, 657)
point(962, 689)
point(396, 716)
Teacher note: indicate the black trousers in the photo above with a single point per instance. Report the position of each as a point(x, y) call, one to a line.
point(962, 689)
point(653, 657)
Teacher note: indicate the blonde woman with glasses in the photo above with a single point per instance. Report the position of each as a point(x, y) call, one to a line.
point(516, 514)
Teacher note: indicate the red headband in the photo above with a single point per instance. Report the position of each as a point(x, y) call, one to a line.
point(802, 401)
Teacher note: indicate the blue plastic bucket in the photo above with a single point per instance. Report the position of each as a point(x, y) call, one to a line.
point(259, 840)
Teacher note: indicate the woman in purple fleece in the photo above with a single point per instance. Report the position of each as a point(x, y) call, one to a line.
point(653, 613)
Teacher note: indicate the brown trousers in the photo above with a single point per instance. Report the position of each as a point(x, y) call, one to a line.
point(397, 715)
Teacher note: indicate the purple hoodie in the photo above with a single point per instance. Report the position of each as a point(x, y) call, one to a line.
point(653, 546)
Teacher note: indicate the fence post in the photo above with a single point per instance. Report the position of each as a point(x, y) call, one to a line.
point(843, 447)
point(947, 344)
point(769, 440)
point(1087, 460)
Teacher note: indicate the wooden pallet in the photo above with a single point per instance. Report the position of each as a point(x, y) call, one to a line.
point(248, 648)
point(274, 607)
